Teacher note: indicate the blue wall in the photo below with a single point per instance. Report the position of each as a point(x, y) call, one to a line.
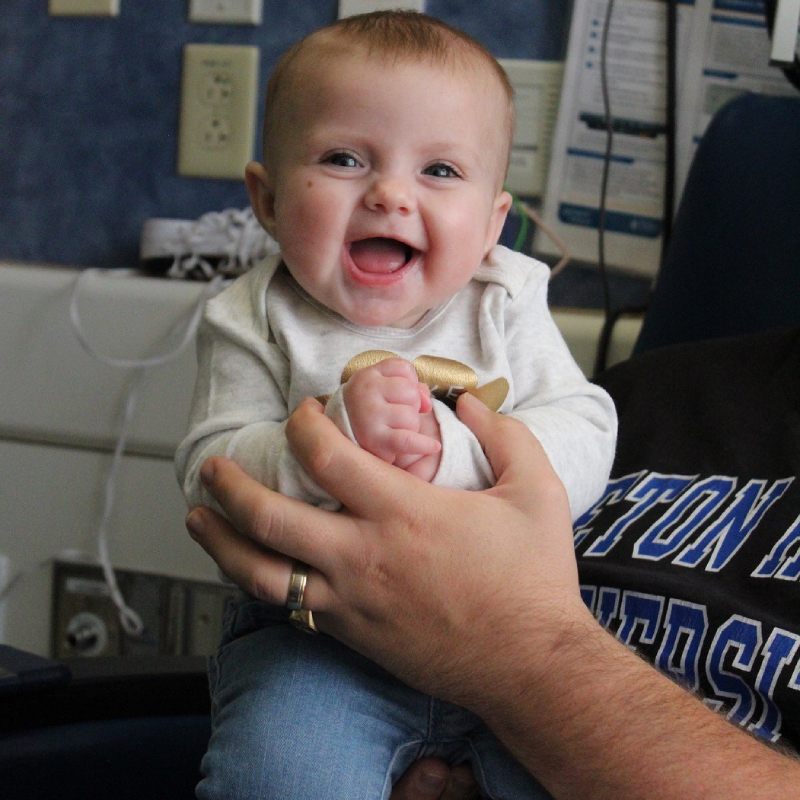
point(89, 113)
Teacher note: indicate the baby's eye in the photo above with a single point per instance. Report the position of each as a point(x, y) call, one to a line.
point(342, 159)
point(441, 171)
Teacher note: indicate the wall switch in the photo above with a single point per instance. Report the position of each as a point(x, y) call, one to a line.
point(347, 8)
point(236, 12)
point(84, 8)
point(785, 43)
point(537, 93)
point(218, 110)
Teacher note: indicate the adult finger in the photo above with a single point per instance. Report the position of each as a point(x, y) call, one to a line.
point(521, 467)
point(462, 784)
point(433, 779)
point(262, 573)
point(526, 479)
point(289, 526)
point(367, 486)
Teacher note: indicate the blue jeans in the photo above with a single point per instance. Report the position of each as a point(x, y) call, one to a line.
point(300, 717)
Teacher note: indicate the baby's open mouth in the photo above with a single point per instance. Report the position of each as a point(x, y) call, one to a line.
point(380, 256)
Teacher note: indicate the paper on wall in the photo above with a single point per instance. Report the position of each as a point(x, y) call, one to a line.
point(723, 50)
point(728, 55)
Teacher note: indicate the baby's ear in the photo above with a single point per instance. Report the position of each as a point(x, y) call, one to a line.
point(262, 198)
point(500, 209)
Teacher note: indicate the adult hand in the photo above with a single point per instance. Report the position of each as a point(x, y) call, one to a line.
point(473, 596)
point(432, 779)
point(443, 588)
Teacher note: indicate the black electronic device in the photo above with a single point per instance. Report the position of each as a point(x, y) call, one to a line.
point(20, 670)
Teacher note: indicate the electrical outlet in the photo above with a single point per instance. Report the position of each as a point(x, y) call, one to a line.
point(181, 617)
point(84, 8)
point(5, 577)
point(237, 12)
point(85, 621)
point(347, 8)
point(218, 110)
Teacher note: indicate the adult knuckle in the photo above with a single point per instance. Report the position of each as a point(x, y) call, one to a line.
point(261, 587)
point(260, 520)
point(296, 422)
point(510, 426)
point(551, 488)
point(316, 453)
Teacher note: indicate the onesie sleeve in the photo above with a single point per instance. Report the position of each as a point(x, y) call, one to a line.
point(463, 464)
point(573, 419)
point(239, 408)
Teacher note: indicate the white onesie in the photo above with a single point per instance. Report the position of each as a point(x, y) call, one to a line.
point(264, 345)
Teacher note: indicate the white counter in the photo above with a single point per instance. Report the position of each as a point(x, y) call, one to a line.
point(59, 413)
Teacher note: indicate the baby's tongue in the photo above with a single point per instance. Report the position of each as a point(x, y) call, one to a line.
point(378, 255)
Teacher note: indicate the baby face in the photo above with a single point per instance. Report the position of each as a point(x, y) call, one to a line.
point(385, 190)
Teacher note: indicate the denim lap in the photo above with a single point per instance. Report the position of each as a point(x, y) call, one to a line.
point(296, 717)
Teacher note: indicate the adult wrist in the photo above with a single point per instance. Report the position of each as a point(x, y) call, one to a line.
point(535, 657)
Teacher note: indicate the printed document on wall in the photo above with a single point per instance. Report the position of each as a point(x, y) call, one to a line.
point(636, 58)
point(728, 55)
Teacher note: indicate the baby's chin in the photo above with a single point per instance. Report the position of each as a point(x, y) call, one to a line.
point(382, 317)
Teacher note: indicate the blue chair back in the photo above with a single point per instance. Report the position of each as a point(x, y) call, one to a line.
point(733, 261)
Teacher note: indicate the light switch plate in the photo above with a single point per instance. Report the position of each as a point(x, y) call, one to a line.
point(218, 110)
point(235, 12)
point(785, 42)
point(537, 93)
point(5, 577)
point(84, 8)
point(347, 8)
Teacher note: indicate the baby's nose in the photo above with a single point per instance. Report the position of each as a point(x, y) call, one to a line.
point(391, 195)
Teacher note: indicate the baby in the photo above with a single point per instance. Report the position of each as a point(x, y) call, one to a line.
point(386, 143)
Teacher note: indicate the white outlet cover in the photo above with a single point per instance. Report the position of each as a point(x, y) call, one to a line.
point(347, 8)
point(537, 93)
point(236, 12)
point(218, 110)
point(84, 8)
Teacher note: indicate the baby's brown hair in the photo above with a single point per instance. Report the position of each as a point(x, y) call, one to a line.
point(397, 35)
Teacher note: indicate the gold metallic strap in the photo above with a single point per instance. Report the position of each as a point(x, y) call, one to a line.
point(446, 377)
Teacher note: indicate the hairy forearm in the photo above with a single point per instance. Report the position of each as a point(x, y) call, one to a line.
point(602, 723)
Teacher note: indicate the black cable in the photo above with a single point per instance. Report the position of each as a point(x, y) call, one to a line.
point(602, 347)
point(672, 102)
point(611, 316)
point(609, 120)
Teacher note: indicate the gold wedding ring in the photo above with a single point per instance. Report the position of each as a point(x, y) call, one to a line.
point(300, 617)
point(297, 586)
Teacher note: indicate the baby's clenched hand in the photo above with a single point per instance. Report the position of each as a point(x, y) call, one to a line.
point(391, 415)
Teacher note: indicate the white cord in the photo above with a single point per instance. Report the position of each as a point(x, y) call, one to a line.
point(129, 619)
point(138, 363)
point(566, 256)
